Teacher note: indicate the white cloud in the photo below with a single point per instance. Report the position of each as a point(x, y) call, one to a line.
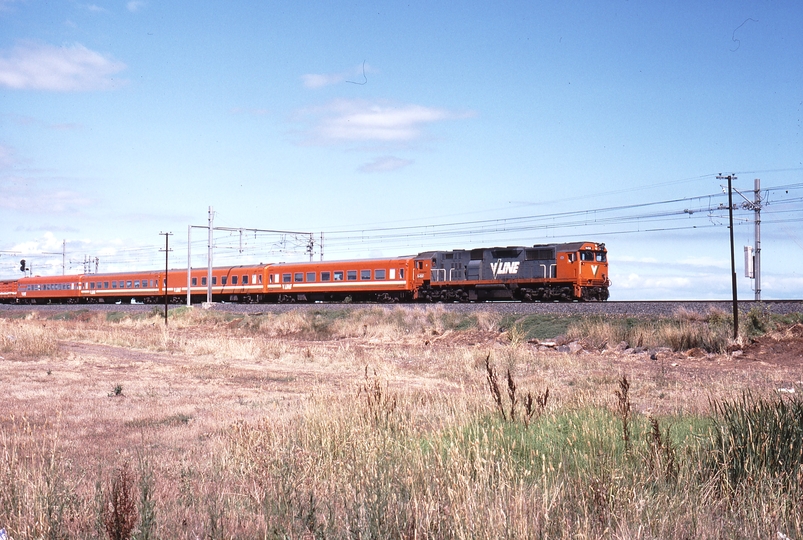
point(46, 67)
point(4, 4)
point(252, 112)
point(48, 242)
point(356, 75)
point(385, 164)
point(705, 262)
point(32, 197)
point(344, 121)
point(6, 157)
point(135, 5)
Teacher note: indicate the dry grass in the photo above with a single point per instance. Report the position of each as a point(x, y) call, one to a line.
point(360, 423)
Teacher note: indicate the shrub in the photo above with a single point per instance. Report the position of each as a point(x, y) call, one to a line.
point(758, 437)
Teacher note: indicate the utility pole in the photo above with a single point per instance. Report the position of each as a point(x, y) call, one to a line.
point(167, 236)
point(64, 257)
point(752, 255)
point(209, 257)
point(757, 253)
point(730, 178)
point(189, 265)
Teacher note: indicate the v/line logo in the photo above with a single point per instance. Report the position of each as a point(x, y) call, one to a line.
point(508, 267)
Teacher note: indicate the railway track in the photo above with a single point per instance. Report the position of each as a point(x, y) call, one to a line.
point(619, 308)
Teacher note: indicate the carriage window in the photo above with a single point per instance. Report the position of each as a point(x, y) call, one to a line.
point(286, 278)
point(339, 276)
point(105, 284)
point(194, 281)
point(365, 274)
point(245, 279)
point(203, 281)
point(92, 285)
point(214, 280)
point(128, 285)
point(351, 275)
point(234, 280)
point(326, 276)
point(298, 277)
point(259, 278)
point(311, 277)
point(379, 274)
point(223, 279)
point(136, 284)
point(401, 273)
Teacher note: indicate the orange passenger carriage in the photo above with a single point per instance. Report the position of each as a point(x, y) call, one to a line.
point(229, 284)
point(8, 290)
point(369, 280)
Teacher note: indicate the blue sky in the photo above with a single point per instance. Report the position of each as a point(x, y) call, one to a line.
point(384, 125)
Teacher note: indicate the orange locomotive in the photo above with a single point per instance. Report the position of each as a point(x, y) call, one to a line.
point(547, 272)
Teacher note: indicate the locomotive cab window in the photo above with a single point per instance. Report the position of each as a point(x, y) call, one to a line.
point(600, 256)
point(586, 255)
point(572, 257)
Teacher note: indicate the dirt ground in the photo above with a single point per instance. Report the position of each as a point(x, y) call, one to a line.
point(99, 401)
point(783, 349)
